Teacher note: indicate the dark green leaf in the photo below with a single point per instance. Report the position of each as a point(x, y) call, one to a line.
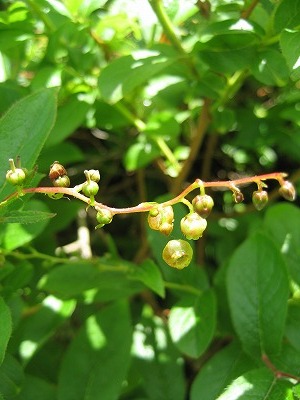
point(126, 73)
point(150, 275)
point(11, 377)
point(5, 328)
point(257, 285)
point(192, 323)
point(290, 46)
point(24, 130)
point(35, 388)
point(270, 68)
point(287, 15)
point(25, 217)
point(97, 360)
point(292, 330)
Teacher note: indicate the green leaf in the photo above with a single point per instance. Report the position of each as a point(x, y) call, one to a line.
point(24, 130)
point(17, 234)
point(192, 323)
point(219, 371)
point(110, 280)
point(98, 358)
point(257, 385)
point(156, 360)
point(282, 222)
point(11, 377)
point(34, 388)
point(270, 68)
point(25, 217)
point(290, 46)
point(140, 155)
point(126, 73)
point(258, 290)
point(150, 275)
point(287, 15)
point(5, 328)
point(292, 329)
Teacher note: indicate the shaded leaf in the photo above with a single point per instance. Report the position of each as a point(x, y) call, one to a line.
point(5, 328)
point(25, 217)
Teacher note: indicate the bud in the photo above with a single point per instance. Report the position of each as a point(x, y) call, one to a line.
point(104, 217)
point(260, 199)
point(193, 226)
point(16, 177)
point(203, 205)
point(56, 170)
point(237, 196)
point(161, 219)
point(61, 181)
point(90, 188)
point(287, 191)
point(93, 175)
point(177, 253)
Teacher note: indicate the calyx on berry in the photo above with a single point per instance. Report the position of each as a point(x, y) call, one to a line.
point(260, 199)
point(177, 253)
point(237, 196)
point(104, 217)
point(203, 205)
point(193, 226)
point(15, 176)
point(161, 219)
point(288, 191)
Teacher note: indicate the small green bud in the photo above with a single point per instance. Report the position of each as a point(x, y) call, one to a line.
point(238, 197)
point(287, 191)
point(177, 253)
point(16, 177)
point(104, 216)
point(260, 199)
point(90, 188)
point(203, 205)
point(61, 181)
point(193, 226)
point(93, 175)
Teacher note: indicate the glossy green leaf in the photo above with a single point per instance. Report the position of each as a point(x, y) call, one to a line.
point(256, 385)
point(126, 73)
point(290, 46)
point(97, 360)
point(282, 223)
point(25, 217)
point(219, 371)
point(257, 285)
point(287, 15)
point(5, 328)
point(269, 67)
point(192, 323)
point(24, 130)
point(150, 275)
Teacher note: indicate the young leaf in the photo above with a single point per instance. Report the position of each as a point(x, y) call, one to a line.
point(192, 323)
point(24, 130)
point(5, 328)
point(97, 360)
point(257, 285)
point(290, 46)
point(25, 217)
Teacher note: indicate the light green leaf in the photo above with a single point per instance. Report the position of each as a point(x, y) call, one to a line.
point(24, 130)
point(287, 15)
point(290, 46)
point(258, 384)
point(139, 155)
point(258, 289)
point(5, 328)
point(270, 68)
point(192, 323)
point(282, 222)
point(126, 73)
point(150, 275)
point(98, 358)
point(34, 388)
point(25, 217)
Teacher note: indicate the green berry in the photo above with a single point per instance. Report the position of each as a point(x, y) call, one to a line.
point(159, 216)
point(193, 226)
point(61, 181)
point(177, 253)
point(260, 199)
point(203, 205)
point(90, 188)
point(104, 216)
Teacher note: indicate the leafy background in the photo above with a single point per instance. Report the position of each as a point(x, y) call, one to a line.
point(153, 94)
